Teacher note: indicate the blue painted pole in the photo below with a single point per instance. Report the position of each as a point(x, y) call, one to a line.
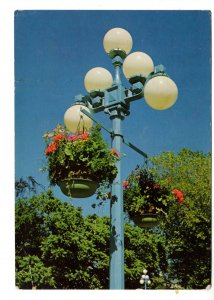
point(116, 210)
point(116, 215)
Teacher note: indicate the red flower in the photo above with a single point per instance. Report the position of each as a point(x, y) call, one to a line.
point(125, 185)
point(84, 136)
point(179, 195)
point(58, 137)
point(115, 152)
point(51, 148)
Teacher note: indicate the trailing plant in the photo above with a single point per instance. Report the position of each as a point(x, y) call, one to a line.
point(144, 195)
point(84, 155)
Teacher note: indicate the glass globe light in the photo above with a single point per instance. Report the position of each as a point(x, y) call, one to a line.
point(97, 79)
point(143, 276)
point(117, 39)
point(144, 271)
point(137, 64)
point(149, 282)
point(160, 92)
point(75, 120)
point(141, 281)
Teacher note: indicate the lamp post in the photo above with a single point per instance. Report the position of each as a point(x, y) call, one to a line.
point(145, 279)
point(109, 95)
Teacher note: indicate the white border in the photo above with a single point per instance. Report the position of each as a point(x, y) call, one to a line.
point(114, 5)
point(7, 275)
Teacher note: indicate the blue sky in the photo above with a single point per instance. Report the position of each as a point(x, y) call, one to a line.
point(55, 49)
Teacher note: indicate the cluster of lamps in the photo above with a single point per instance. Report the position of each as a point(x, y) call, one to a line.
point(108, 94)
point(159, 91)
point(145, 280)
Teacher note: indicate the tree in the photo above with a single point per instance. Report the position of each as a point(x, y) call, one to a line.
point(57, 248)
point(26, 186)
point(187, 229)
point(144, 249)
point(33, 274)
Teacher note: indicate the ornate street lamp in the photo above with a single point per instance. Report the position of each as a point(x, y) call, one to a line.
point(109, 95)
point(145, 279)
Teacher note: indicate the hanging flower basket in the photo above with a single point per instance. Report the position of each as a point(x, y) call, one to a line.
point(79, 163)
point(146, 220)
point(145, 201)
point(78, 188)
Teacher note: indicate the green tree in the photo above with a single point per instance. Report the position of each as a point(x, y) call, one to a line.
point(57, 248)
point(144, 249)
point(187, 229)
point(31, 273)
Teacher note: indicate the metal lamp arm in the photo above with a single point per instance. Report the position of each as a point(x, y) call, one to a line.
point(139, 151)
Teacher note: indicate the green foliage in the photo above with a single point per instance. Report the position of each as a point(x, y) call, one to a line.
point(81, 155)
point(143, 249)
point(57, 248)
point(31, 273)
point(187, 226)
point(63, 250)
point(181, 183)
point(143, 194)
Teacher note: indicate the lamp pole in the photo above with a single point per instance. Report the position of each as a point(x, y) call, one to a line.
point(116, 216)
point(116, 206)
point(110, 96)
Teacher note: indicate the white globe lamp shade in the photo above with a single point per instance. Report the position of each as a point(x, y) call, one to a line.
point(137, 64)
point(141, 281)
point(117, 39)
point(75, 120)
point(144, 271)
point(160, 92)
point(97, 79)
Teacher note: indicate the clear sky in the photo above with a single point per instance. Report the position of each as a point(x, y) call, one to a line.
point(55, 49)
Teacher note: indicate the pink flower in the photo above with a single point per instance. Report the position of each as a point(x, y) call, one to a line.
point(72, 137)
point(80, 136)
